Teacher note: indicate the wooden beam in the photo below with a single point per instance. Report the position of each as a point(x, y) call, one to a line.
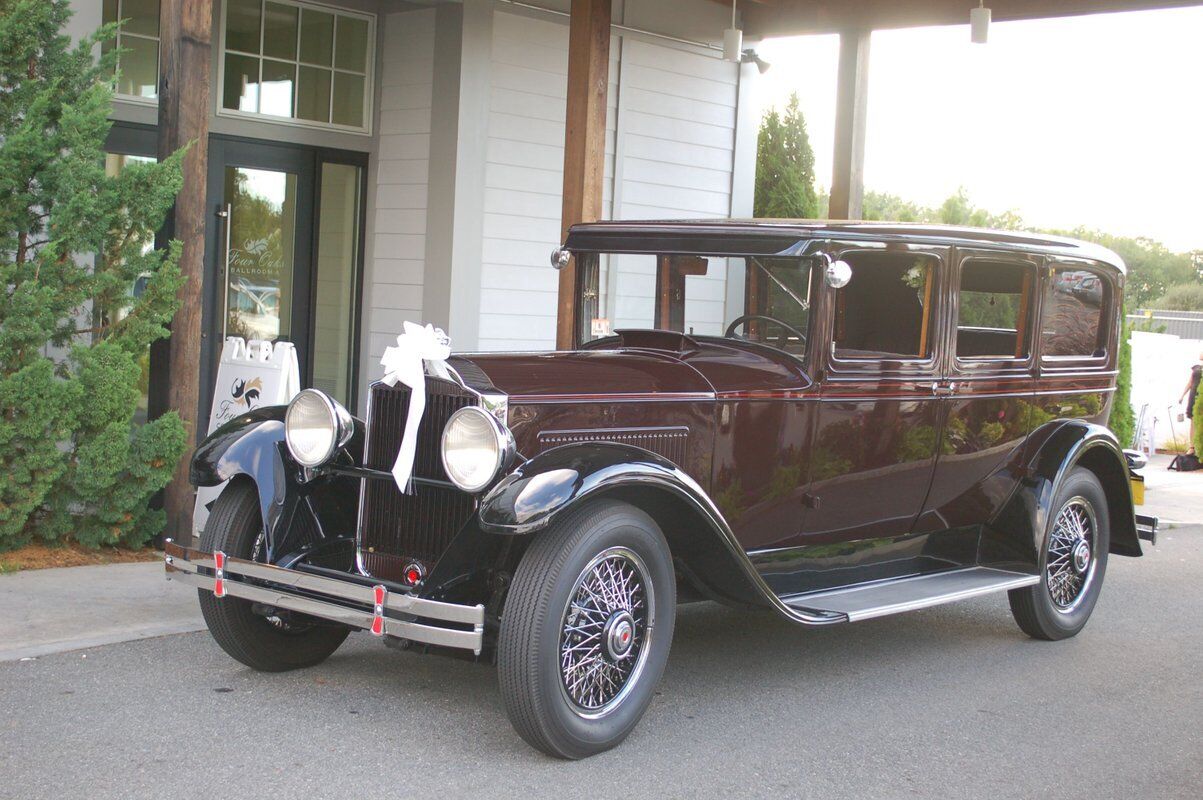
point(584, 141)
point(851, 108)
point(799, 17)
point(184, 27)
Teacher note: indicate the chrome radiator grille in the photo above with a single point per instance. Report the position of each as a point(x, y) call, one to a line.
point(397, 529)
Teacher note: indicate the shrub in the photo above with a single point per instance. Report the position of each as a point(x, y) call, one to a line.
point(73, 241)
point(1197, 416)
point(1122, 421)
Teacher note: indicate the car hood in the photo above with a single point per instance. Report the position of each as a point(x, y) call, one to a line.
point(582, 375)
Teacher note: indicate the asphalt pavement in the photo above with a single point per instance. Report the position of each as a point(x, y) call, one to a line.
point(948, 702)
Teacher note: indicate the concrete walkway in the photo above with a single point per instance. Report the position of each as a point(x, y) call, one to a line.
point(46, 611)
point(57, 610)
point(1176, 498)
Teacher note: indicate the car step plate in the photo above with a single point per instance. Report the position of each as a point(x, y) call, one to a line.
point(880, 598)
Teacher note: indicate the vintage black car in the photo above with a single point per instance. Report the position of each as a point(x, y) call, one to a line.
point(830, 421)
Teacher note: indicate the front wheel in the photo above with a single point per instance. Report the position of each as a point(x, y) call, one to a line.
point(267, 644)
point(586, 630)
point(1072, 564)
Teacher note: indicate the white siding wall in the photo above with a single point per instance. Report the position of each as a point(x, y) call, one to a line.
point(524, 179)
point(675, 112)
point(393, 283)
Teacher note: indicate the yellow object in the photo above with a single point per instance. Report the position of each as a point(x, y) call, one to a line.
point(1138, 489)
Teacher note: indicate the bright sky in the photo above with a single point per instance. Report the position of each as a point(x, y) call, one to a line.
point(1085, 120)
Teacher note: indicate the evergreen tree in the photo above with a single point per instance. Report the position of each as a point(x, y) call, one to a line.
point(73, 241)
point(1122, 420)
point(785, 166)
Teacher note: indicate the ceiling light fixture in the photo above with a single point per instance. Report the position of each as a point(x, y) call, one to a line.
point(733, 40)
point(979, 23)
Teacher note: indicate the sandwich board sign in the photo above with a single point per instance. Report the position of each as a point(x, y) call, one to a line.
point(249, 375)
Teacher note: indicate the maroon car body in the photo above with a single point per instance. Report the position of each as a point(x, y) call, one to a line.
point(887, 417)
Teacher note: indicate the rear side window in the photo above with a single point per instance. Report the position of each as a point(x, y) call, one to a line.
point(885, 311)
point(994, 308)
point(1072, 319)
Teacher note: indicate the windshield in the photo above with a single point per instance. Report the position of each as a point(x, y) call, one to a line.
point(760, 299)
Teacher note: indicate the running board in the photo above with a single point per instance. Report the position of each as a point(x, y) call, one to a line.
point(880, 598)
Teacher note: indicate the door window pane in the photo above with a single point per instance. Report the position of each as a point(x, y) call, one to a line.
point(1073, 314)
point(241, 90)
point(306, 56)
point(885, 311)
point(336, 280)
point(138, 72)
point(317, 37)
point(351, 47)
point(243, 19)
point(280, 31)
point(313, 94)
point(138, 40)
point(279, 78)
point(260, 261)
point(348, 100)
point(994, 308)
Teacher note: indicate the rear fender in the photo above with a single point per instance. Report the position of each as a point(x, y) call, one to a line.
point(703, 546)
point(1015, 538)
point(298, 515)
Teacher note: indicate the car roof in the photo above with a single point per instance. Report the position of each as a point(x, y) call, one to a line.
point(765, 237)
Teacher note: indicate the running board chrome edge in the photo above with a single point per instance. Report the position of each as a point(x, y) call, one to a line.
point(895, 596)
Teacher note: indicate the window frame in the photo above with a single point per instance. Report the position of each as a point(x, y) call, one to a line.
point(1107, 335)
point(369, 76)
point(151, 102)
point(978, 364)
point(896, 367)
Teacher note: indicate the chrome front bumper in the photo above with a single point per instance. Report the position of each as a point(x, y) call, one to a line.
point(372, 608)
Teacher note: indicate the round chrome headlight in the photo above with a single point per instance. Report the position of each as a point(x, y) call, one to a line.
point(475, 447)
point(315, 426)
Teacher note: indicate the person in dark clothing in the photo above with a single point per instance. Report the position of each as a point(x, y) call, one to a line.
point(1189, 394)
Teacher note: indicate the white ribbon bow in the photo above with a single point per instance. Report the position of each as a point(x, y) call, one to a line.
point(406, 363)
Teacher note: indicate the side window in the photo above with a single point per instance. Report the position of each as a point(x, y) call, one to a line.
point(1072, 323)
point(993, 310)
point(885, 311)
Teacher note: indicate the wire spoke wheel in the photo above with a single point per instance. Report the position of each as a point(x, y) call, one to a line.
point(606, 631)
point(1070, 564)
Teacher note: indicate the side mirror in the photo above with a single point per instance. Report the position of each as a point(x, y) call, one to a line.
point(838, 274)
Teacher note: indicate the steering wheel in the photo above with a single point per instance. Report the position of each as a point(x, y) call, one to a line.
point(735, 323)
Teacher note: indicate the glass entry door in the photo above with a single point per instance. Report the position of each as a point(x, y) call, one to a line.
point(284, 257)
point(259, 261)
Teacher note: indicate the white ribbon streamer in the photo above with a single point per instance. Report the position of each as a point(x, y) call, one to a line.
point(406, 363)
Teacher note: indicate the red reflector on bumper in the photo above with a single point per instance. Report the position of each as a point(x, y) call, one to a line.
point(379, 595)
point(219, 577)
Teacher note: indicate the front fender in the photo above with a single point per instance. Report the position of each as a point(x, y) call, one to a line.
point(702, 543)
point(1016, 536)
point(296, 513)
point(534, 494)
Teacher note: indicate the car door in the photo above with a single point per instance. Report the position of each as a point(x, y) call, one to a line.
point(989, 375)
point(878, 423)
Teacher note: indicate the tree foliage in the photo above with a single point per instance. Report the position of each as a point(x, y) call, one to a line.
point(73, 241)
point(785, 166)
point(1122, 421)
point(1181, 297)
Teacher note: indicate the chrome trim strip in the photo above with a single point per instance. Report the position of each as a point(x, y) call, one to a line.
point(187, 562)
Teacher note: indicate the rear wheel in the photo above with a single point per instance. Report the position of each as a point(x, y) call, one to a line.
point(264, 643)
point(586, 629)
point(1072, 565)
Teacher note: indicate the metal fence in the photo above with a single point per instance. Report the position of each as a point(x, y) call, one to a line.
point(1183, 324)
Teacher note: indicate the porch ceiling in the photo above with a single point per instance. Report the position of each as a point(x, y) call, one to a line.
point(765, 18)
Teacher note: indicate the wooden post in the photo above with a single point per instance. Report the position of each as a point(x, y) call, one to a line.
point(584, 140)
point(184, 27)
point(851, 106)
